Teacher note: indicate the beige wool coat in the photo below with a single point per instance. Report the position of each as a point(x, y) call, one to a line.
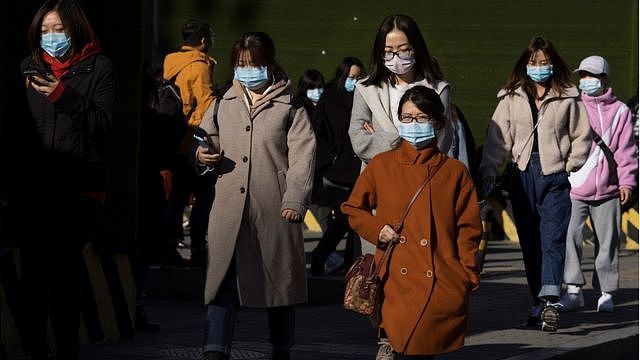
point(267, 166)
point(433, 268)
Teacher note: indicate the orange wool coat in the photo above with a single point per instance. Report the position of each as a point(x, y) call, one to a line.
point(433, 268)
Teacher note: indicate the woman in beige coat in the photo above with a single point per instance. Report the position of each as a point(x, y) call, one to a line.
point(432, 268)
point(263, 149)
point(542, 124)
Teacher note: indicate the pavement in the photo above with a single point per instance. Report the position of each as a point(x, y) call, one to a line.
point(325, 331)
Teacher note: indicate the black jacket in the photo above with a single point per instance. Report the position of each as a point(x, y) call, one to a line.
point(65, 141)
point(335, 158)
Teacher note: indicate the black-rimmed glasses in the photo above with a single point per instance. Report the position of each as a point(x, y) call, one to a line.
point(408, 118)
point(402, 54)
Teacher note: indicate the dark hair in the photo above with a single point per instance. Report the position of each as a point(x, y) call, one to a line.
point(75, 22)
point(194, 30)
point(311, 79)
point(261, 49)
point(518, 78)
point(342, 71)
point(424, 65)
point(428, 101)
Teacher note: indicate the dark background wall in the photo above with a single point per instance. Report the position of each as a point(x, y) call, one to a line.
point(118, 24)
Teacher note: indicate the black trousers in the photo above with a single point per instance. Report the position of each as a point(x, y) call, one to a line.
point(51, 255)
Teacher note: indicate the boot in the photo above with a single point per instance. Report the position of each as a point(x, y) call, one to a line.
point(215, 355)
point(142, 321)
point(280, 354)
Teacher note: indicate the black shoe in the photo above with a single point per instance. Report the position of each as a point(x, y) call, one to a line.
point(535, 315)
point(142, 322)
point(280, 354)
point(215, 355)
point(550, 318)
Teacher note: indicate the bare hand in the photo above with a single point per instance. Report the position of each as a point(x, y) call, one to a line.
point(366, 126)
point(387, 234)
point(625, 195)
point(205, 157)
point(44, 85)
point(291, 215)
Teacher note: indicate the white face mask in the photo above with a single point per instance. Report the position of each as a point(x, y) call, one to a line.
point(400, 66)
point(314, 94)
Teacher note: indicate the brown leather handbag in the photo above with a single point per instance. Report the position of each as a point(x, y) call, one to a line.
point(362, 291)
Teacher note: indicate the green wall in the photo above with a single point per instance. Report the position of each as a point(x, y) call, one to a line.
point(476, 42)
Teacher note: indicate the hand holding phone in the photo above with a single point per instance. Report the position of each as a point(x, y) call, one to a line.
point(42, 81)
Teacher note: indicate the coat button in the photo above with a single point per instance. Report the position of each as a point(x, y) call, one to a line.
point(402, 239)
point(404, 271)
point(245, 159)
point(424, 242)
point(242, 190)
point(248, 128)
point(428, 273)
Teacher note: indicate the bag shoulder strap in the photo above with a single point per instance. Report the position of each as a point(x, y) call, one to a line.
point(608, 154)
point(398, 228)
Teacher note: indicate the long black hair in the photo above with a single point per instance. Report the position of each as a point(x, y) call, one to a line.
point(311, 79)
point(75, 22)
point(424, 62)
point(560, 79)
point(342, 71)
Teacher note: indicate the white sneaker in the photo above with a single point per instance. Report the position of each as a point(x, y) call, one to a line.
point(605, 302)
point(333, 262)
point(385, 351)
point(571, 300)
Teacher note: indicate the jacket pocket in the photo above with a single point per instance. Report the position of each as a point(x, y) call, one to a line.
point(282, 182)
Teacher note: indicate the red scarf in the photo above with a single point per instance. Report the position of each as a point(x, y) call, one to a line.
point(60, 68)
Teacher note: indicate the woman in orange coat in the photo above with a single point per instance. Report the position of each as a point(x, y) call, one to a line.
point(432, 268)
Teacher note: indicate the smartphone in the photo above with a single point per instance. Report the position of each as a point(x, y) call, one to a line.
point(34, 75)
point(34, 71)
point(204, 143)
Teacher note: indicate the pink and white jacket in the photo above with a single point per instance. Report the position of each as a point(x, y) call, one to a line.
point(611, 119)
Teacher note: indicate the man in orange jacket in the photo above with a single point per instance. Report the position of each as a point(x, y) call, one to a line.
point(192, 71)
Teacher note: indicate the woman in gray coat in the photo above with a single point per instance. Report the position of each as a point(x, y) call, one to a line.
point(262, 147)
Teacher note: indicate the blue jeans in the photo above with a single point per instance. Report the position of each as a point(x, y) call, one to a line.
point(542, 209)
point(222, 313)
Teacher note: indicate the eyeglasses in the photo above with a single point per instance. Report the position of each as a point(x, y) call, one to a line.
point(408, 118)
point(402, 54)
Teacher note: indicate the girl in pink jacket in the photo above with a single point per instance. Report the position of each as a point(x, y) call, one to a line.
point(599, 187)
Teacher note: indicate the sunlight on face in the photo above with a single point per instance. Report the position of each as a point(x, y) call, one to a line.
point(51, 23)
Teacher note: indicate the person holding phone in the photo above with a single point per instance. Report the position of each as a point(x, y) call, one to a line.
point(263, 151)
point(71, 93)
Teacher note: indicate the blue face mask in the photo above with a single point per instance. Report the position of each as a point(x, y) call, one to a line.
point(590, 86)
point(314, 94)
point(253, 78)
point(539, 74)
point(417, 134)
point(350, 84)
point(55, 44)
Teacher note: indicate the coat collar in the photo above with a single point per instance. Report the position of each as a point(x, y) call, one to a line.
point(408, 155)
point(569, 92)
point(606, 98)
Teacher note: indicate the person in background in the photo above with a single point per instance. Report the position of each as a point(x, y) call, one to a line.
point(192, 70)
point(432, 268)
point(596, 191)
point(71, 94)
point(263, 148)
point(399, 60)
point(541, 122)
point(337, 165)
point(310, 89)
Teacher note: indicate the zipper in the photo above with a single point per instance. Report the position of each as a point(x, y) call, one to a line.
point(598, 160)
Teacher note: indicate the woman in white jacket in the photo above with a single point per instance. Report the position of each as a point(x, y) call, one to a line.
point(400, 60)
